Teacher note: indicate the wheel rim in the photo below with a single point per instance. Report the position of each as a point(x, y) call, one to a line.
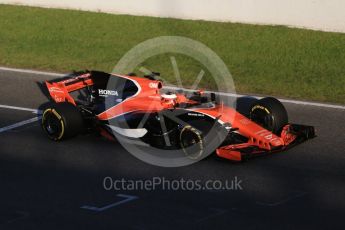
point(191, 143)
point(263, 118)
point(52, 124)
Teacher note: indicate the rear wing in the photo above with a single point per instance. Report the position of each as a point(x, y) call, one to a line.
point(59, 89)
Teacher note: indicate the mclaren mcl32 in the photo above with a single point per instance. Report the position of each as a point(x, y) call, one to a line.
point(138, 108)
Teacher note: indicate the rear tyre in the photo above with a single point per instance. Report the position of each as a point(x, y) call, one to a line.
point(61, 121)
point(269, 113)
point(191, 142)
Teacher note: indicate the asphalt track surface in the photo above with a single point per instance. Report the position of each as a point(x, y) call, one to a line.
point(44, 184)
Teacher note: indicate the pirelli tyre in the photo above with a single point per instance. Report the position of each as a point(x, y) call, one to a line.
point(61, 121)
point(270, 113)
point(191, 142)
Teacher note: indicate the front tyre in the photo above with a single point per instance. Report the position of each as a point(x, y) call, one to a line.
point(61, 121)
point(269, 113)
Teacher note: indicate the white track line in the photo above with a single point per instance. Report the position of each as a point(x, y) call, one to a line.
point(127, 198)
point(19, 124)
point(316, 104)
point(32, 72)
point(19, 108)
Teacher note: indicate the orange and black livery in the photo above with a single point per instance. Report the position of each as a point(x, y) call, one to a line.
point(132, 107)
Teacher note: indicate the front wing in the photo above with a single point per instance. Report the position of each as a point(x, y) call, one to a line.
point(292, 135)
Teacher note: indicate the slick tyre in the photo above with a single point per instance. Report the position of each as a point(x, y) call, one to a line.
point(191, 142)
point(269, 113)
point(61, 121)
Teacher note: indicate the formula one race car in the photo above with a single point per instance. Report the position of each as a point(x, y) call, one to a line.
point(138, 108)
